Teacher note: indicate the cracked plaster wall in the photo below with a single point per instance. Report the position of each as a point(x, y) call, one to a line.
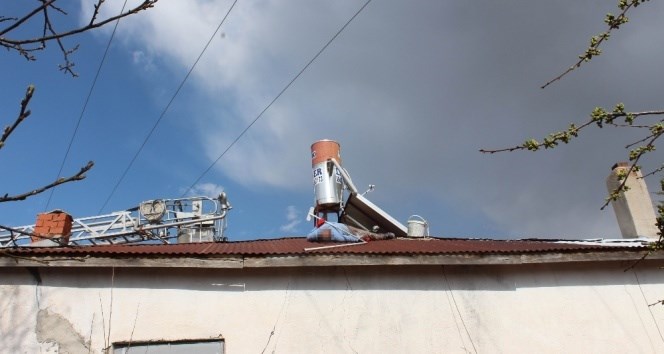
point(57, 332)
point(427, 309)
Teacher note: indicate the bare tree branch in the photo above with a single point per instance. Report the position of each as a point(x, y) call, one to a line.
point(48, 28)
point(16, 258)
point(97, 7)
point(655, 171)
point(640, 141)
point(10, 229)
point(658, 302)
point(51, 5)
point(3, 19)
point(18, 23)
point(25, 46)
point(143, 6)
point(13, 231)
point(77, 177)
point(24, 113)
point(631, 126)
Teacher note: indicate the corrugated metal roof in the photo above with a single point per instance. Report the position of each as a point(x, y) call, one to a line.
point(297, 246)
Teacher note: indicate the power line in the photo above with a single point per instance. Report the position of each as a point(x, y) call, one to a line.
point(649, 305)
point(277, 97)
point(449, 288)
point(161, 116)
point(85, 105)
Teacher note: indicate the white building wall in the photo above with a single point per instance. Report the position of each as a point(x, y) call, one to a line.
point(572, 308)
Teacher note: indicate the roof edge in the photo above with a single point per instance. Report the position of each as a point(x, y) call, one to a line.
point(322, 260)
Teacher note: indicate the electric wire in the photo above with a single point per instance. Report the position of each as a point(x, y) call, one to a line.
point(283, 306)
point(276, 98)
point(654, 320)
point(449, 287)
point(85, 105)
point(168, 105)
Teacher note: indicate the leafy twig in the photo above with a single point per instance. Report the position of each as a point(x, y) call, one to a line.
point(598, 116)
point(601, 117)
point(613, 22)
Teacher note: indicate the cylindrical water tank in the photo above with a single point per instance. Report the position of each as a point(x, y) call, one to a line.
point(328, 183)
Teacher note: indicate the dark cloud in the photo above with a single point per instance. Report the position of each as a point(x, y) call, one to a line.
point(412, 90)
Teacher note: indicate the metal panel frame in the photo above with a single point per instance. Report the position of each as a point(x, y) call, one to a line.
point(362, 213)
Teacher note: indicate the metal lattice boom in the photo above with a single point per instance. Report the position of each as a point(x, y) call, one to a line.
point(161, 220)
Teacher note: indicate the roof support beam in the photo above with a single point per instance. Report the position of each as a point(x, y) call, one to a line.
point(321, 260)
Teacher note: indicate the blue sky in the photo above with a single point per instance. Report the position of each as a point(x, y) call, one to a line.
point(411, 90)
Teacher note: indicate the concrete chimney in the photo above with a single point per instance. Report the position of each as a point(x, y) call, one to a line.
point(634, 209)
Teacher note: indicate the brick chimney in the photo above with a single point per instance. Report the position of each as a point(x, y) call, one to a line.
point(634, 209)
point(54, 224)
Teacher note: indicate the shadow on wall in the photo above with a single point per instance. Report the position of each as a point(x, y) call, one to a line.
point(424, 278)
point(12, 305)
point(22, 305)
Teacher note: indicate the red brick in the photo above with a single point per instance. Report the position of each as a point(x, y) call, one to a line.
point(41, 229)
point(59, 216)
point(50, 225)
point(66, 230)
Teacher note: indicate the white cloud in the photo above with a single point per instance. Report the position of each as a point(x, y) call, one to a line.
point(410, 103)
point(143, 60)
point(293, 219)
point(206, 189)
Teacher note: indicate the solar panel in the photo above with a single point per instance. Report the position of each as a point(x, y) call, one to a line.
point(362, 213)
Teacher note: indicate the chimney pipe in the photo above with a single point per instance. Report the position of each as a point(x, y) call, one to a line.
point(634, 209)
